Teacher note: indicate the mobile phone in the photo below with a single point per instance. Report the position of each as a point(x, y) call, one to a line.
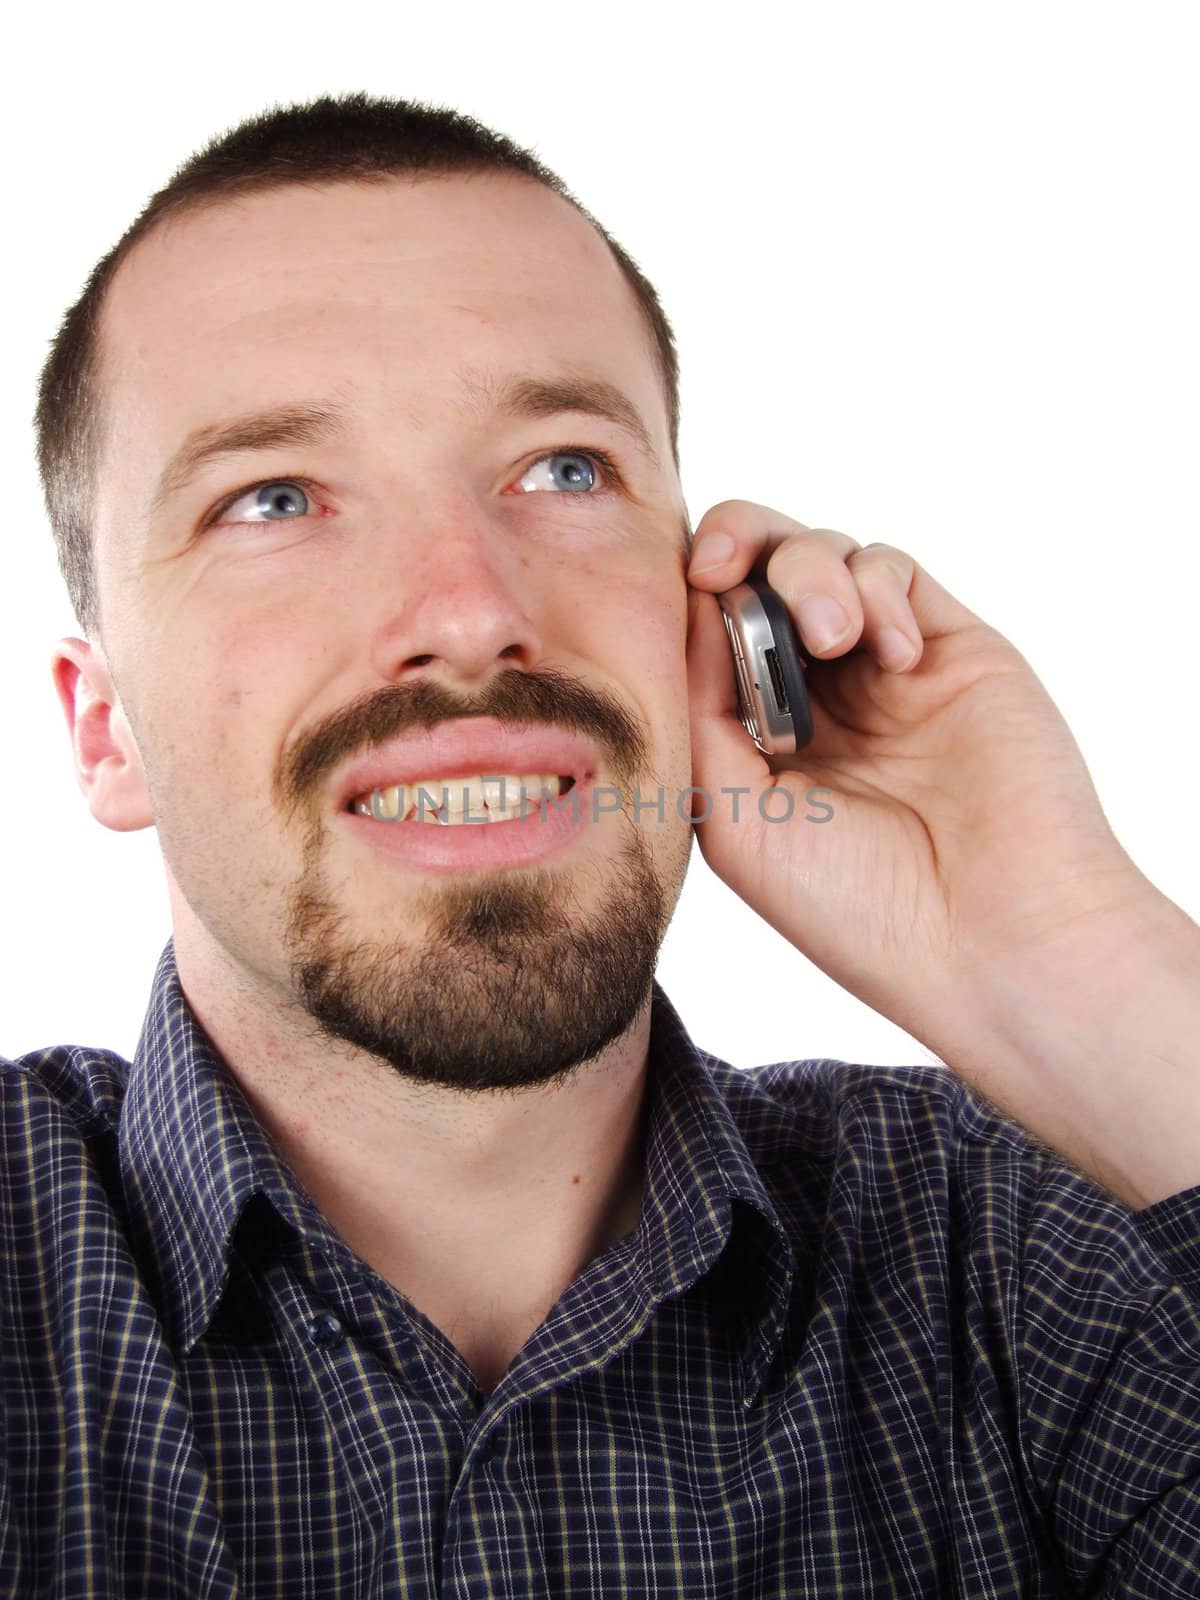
point(769, 663)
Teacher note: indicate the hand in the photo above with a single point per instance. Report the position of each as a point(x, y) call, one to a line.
point(965, 827)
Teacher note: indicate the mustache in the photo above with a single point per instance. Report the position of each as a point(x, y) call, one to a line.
point(548, 696)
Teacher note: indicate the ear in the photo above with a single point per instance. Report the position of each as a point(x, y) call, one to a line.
point(108, 766)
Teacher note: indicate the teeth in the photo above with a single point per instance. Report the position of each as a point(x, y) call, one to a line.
point(392, 803)
point(499, 793)
point(453, 801)
point(460, 800)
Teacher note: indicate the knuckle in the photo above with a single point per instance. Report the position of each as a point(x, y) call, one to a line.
point(886, 558)
point(749, 519)
point(733, 516)
point(798, 568)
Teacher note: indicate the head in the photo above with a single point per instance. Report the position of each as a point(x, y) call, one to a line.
point(366, 433)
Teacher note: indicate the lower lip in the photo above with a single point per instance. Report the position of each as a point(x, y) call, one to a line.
point(465, 846)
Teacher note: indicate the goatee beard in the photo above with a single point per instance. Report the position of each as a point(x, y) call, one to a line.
point(505, 989)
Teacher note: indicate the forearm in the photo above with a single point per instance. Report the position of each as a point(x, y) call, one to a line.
point(1093, 1044)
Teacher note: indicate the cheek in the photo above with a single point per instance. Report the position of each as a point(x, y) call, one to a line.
point(214, 705)
point(229, 666)
point(645, 645)
point(637, 618)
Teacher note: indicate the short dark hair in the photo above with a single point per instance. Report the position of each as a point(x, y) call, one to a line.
point(353, 137)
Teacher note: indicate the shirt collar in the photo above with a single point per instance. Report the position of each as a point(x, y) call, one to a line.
point(698, 1162)
point(192, 1154)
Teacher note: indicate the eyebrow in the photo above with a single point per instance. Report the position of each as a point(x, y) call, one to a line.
point(276, 428)
point(311, 422)
point(535, 396)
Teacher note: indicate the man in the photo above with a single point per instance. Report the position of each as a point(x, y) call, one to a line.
point(419, 1251)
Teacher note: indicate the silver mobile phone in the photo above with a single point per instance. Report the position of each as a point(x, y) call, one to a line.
point(769, 662)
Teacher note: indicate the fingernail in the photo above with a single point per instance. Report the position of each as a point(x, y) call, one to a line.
point(895, 648)
point(822, 620)
point(710, 550)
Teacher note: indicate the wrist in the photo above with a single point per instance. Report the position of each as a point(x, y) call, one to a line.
point(1088, 1037)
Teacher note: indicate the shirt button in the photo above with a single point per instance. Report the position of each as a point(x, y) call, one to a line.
point(325, 1330)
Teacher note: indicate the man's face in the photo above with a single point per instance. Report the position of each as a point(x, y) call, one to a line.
point(283, 610)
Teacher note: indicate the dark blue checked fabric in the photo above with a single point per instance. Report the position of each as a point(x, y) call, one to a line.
point(869, 1339)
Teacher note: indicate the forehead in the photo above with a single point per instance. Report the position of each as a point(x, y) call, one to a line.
point(382, 292)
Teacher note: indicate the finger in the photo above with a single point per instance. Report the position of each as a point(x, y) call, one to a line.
point(882, 575)
point(809, 572)
point(746, 535)
point(934, 610)
point(829, 605)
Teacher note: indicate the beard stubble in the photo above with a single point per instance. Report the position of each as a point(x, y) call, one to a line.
point(509, 985)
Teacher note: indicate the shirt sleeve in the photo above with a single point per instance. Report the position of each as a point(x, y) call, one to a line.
point(1110, 1385)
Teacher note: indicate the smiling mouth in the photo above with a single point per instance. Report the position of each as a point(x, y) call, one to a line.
point(467, 799)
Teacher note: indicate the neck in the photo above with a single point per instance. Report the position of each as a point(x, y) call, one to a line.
point(446, 1194)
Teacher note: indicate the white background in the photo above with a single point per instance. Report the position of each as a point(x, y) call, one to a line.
point(933, 271)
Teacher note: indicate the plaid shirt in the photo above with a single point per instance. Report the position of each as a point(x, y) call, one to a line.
point(869, 1339)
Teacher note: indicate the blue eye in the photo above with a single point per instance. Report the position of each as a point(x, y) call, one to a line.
point(575, 470)
point(277, 501)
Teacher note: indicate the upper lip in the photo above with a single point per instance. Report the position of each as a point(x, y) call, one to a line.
point(466, 746)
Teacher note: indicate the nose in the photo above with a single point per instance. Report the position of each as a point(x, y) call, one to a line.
point(464, 607)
